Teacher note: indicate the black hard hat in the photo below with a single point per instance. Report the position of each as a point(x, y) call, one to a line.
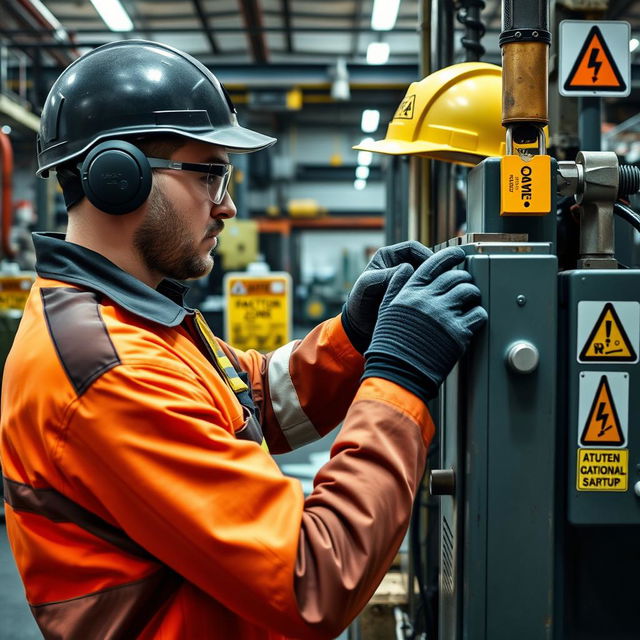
point(135, 87)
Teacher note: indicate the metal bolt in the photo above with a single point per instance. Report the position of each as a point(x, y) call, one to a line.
point(636, 489)
point(535, 34)
point(521, 300)
point(523, 357)
point(442, 482)
point(518, 34)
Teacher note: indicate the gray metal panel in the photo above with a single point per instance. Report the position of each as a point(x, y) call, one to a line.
point(474, 454)
point(499, 428)
point(599, 507)
point(521, 444)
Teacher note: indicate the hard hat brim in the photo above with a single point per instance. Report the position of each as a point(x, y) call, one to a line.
point(421, 148)
point(235, 139)
point(238, 139)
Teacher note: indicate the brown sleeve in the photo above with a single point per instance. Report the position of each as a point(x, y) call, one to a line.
point(359, 511)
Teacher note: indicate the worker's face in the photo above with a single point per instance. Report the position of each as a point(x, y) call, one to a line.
point(178, 234)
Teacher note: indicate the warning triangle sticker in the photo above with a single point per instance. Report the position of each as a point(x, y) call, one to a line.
point(406, 108)
point(238, 289)
point(595, 68)
point(603, 425)
point(608, 341)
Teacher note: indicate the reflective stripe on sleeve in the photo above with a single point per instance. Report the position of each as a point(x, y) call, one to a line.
point(294, 422)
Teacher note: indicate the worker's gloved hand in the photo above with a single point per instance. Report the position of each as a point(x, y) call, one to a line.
point(360, 311)
point(426, 322)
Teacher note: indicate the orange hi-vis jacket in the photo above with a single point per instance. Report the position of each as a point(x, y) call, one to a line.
point(140, 503)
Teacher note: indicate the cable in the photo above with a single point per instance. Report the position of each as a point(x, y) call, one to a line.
point(469, 16)
point(627, 214)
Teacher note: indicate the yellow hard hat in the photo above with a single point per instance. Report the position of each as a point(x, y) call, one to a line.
point(454, 115)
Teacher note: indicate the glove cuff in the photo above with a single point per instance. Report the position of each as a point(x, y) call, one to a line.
point(414, 348)
point(359, 341)
point(380, 366)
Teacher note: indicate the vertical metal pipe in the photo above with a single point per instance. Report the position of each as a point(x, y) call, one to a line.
point(590, 123)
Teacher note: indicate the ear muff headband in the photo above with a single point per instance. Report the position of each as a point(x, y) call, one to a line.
point(116, 177)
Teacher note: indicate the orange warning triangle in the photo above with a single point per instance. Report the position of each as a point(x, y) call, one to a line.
point(608, 341)
point(595, 68)
point(603, 425)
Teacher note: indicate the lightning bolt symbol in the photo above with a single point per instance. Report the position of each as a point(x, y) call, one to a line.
point(594, 64)
point(603, 418)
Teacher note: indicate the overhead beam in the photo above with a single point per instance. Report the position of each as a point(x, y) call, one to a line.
point(205, 25)
point(286, 16)
point(617, 8)
point(253, 21)
point(355, 38)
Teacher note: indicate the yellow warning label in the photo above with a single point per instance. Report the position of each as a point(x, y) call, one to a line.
point(525, 186)
point(603, 425)
point(14, 291)
point(258, 311)
point(595, 67)
point(602, 470)
point(406, 109)
point(608, 341)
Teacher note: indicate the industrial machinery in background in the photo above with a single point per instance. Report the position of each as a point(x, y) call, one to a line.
point(539, 441)
point(15, 283)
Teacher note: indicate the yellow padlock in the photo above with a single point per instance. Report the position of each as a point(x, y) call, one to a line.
point(525, 186)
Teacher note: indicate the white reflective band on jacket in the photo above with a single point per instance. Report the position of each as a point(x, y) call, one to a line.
point(294, 422)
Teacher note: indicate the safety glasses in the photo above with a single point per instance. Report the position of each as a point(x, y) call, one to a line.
point(218, 174)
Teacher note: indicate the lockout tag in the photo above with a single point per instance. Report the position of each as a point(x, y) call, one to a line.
point(525, 186)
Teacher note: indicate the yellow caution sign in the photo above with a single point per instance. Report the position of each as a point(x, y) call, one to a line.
point(603, 425)
point(257, 310)
point(14, 291)
point(525, 186)
point(608, 340)
point(602, 470)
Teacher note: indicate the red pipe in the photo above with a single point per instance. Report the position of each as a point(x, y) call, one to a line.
point(6, 208)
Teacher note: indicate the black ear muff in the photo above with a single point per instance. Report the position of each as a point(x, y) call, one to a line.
point(116, 177)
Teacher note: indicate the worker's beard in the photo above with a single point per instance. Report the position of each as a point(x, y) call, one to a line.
point(166, 244)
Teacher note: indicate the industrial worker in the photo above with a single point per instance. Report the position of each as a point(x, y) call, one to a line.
point(141, 502)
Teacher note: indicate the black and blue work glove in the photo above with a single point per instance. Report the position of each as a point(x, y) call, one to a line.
point(360, 311)
point(426, 322)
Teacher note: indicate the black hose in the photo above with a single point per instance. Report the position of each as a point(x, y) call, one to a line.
point(627, 214)
point(469, 16)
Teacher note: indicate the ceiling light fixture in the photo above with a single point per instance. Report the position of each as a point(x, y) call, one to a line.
point(384, 14)
point(359, 185)
point(633, 44)
point(378, 53)
point(59, 31)
point(113, 14)
point(365, 158)
point(370, 120)
point(362, 173)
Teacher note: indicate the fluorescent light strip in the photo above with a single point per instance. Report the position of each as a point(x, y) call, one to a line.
point(113, 14)
point(384, 15)
point(378, 53)
point(362, 173)
point(370, 120)
point(365, 158)
point(60, 32)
